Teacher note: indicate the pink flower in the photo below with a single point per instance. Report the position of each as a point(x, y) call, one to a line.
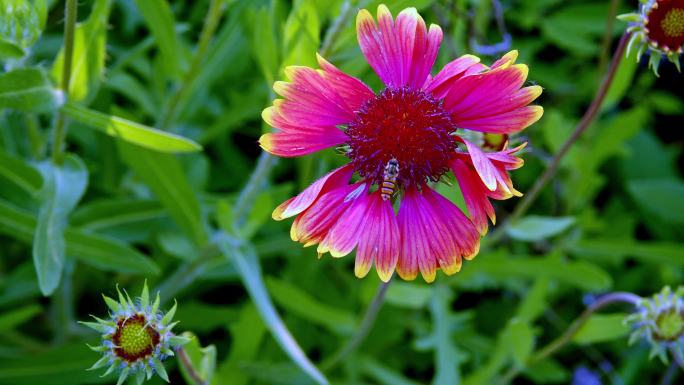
point(400, 141)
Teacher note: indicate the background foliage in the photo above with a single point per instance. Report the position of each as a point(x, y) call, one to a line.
point(130, 202)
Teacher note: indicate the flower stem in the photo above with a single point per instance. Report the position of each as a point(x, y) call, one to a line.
point(570, 332)
point(210, 24)
point(363, 330)
point(71, 11)
point(581, 127)
point(185, 361)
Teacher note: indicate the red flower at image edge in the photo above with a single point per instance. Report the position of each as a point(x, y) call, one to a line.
point(398, 141)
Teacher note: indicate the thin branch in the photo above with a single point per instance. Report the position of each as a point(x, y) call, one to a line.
point(581, 127)
point(185, 361)
point(363, 330)
point(210, 24)
point(71, 12)
point(570, 332)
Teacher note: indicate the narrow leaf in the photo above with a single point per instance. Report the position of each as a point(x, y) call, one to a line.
point(536, 228)
point(28, 90)
point(64, 187)
point(160, 21)
point(129, 131)
point(249, 269)
point(20, 173)
point(95, 250)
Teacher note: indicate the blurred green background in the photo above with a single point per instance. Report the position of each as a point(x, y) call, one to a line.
point(611, 220)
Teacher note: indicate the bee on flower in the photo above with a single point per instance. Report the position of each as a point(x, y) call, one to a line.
point(658, 28)
point(400, 141)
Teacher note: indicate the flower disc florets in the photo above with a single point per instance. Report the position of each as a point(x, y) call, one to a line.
point(403, 124)
point(658, 27)
point(136, 338)
point(660, 321)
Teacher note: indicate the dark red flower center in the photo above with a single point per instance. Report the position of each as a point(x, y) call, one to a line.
point(403, 124)
point(665, 24)
point(134, 339)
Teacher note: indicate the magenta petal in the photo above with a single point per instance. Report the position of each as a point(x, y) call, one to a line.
point(301, 202)
point(353, 91)
point(483, 165)
point(415, 253)
point(441, 83)
point(402, 52)
point(462, 231)
point(379, 240)
point(312, 225)
point(345, 234)
point(475, 195)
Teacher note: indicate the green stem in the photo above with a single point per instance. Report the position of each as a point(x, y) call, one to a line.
point(363, 330)
point(210, 24)
point(186, 273)
point(607, 35)
point(185, 361)
point(70, 10)
point(581, 127)
point(570, 332)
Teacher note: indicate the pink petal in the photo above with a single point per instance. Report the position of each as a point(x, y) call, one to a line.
point(455, 225)
point(352, 90)
point(345, 234)
point(312, 225)
point(493, 101)
point(379, 240)
point(475, 195)
point(301, 202)
point(402, 52)
point(315, 103)
point(485, 168)
point(434, 233)
point(454, 70)
point(505, 123)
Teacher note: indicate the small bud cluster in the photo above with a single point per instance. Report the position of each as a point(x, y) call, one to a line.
point(660, 321)
point(136, 337)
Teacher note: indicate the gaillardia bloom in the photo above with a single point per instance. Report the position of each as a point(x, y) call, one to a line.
point(136, 338)
point(658, 27)
point(660, 321)
point(399, 142)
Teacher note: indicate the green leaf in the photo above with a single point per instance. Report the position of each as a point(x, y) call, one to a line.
point(408, 295)
point(248, 267)
point(110, 213)
point(519, 337)
point(28, 90)
point(20, 173)
point(203, 360)
point(302, 31)
point(622, 81)
point(247, 333)
point(304, 305)
point(99, 251)
point(9, 50)
point(64, 365)
point(264, 43)
point(501, 267)
point(447, 357)
point(64, 187)
point(160, 21)
point(129, 131)
point(657, 253)
point(13, 318)
point(536, 228)
point(601, 328)
point(163, 174)
point(660, 197)
point(383, 374)
point(88, 55)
